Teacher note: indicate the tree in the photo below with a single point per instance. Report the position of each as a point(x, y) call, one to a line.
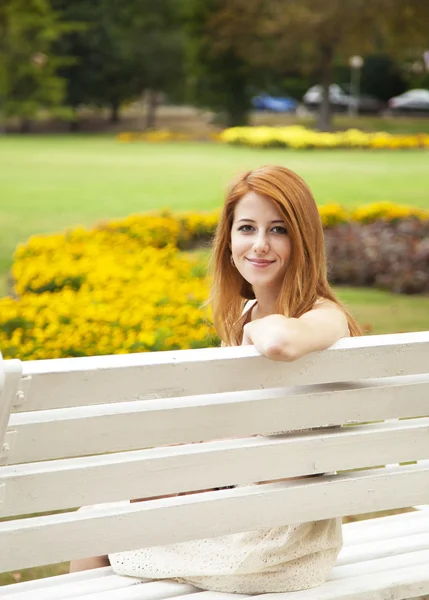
point(29, 77)
point(221, 76)
point(120, 50)
point(151, 38)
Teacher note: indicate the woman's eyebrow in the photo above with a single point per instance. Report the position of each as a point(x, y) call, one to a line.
point(252, 221)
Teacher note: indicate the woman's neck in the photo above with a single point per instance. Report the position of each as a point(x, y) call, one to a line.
point(266, 303)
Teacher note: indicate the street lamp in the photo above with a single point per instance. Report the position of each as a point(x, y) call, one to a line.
point(356, 64)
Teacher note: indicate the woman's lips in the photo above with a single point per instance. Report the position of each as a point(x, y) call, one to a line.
point(260, 263)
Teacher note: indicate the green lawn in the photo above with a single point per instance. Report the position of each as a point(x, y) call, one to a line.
point(380, 312)
point(51, 182)
point(48, 183)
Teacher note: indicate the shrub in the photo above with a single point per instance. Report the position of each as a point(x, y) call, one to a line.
point(393, 255)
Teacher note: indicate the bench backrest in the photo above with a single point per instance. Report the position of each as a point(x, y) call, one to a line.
point(94, 430)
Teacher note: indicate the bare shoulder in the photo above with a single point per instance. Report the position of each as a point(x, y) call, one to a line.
point(330, 314)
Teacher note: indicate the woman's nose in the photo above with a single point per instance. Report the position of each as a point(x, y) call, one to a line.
point(260, 244)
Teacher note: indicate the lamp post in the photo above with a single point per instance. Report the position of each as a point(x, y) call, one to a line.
point(356, 64)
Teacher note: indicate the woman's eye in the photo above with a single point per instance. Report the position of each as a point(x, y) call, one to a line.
point(245, 228)
point(280, 229)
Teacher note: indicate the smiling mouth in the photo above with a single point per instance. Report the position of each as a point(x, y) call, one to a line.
point(260, 263)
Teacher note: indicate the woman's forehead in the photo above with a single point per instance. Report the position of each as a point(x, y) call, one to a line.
point(254, 206)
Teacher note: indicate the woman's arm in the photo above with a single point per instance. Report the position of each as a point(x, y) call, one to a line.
point(282, 338)
point(84, 564)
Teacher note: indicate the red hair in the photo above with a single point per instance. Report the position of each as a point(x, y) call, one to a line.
point(305, 280)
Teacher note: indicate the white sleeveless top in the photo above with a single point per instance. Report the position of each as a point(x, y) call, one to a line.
point(280, 559)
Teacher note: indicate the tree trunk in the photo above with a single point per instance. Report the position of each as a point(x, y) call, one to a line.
point(74, 126)
point(25, 125)
point(237, 116)
point(237, 102)
point(151, 106)
point(74, 123)
point(114, 112)
point(324, 120)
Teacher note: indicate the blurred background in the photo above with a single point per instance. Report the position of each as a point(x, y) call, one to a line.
point(92, 65)
point(121, 123)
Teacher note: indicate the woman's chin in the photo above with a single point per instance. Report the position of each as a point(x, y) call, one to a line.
point(262, 281)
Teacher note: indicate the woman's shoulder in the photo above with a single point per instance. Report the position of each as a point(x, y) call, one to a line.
point(328, 303)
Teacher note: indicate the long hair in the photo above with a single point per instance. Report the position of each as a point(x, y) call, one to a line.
point(305, 280)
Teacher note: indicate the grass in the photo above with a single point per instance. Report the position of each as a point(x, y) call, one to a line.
point(380, 312)
point(33, 573)
point(48, 183)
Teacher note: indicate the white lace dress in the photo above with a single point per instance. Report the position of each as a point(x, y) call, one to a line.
point(280, 559)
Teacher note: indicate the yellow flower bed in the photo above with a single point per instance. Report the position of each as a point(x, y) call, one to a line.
point(163, 135)
point(103, 296)
point(387, 211)
point(125, 286)
point(298, 137)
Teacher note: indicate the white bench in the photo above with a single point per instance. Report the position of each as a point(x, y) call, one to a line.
point(96, 430)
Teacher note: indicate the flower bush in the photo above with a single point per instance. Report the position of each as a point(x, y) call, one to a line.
point(98, 292)
point(301, 138)
point(128, 286)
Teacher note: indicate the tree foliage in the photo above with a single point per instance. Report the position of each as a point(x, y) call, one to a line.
point(222, 75)
point(120, 50)
point(29, 77)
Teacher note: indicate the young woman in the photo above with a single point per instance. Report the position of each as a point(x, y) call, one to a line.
point(269, 289)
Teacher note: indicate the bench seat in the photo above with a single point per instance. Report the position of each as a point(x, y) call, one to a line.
point(380, 559)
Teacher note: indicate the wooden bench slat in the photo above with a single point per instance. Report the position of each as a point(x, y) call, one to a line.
point(396, 584)
point(385, 528)
point(71, 579)
point(160, 590)
point(43, 540)
point(379, 548)
point(65, 589)
point(46, 435)
point(377, 565)
point(98, 380)
point(63, 484)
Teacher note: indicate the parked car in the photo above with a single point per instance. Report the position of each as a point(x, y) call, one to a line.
point(274, 103)
point(411, 101)
point(340, 100)
point(337, 97)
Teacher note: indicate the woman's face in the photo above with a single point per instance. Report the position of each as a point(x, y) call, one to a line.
point(260, 243)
